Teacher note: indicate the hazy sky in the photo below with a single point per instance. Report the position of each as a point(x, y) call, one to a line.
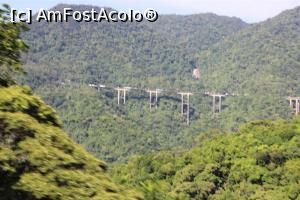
point(248, 10)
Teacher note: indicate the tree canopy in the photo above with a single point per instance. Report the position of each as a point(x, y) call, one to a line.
point(11, 47)
point(260, 161)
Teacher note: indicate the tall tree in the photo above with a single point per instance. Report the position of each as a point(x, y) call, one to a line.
point(11, 47)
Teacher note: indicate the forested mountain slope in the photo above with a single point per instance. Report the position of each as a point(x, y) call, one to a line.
point(160, 54)
point(39, 161)
point(262, 62)
point(259, 61)
point(124, 53)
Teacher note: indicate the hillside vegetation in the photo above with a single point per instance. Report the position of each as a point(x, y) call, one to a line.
point(160, 54)
point(37, 158)
point(261, 161)
point(39, 161)
point(136, 54)
point(260, 62)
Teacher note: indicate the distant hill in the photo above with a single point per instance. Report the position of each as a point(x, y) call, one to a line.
point(39, 161)
point(258, 61)
point(262, 62)
point(124, 53)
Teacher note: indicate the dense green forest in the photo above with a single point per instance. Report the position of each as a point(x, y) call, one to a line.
point(39, 161)
point(65, 57)
point(260, 62)
point(260, 161)
point(37, 158)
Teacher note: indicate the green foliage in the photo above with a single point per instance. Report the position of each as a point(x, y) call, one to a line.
point(39, 161)
point(11, 47)
point(64, 57)
point(259, 61)
point(20, 99)
point(260, 161)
